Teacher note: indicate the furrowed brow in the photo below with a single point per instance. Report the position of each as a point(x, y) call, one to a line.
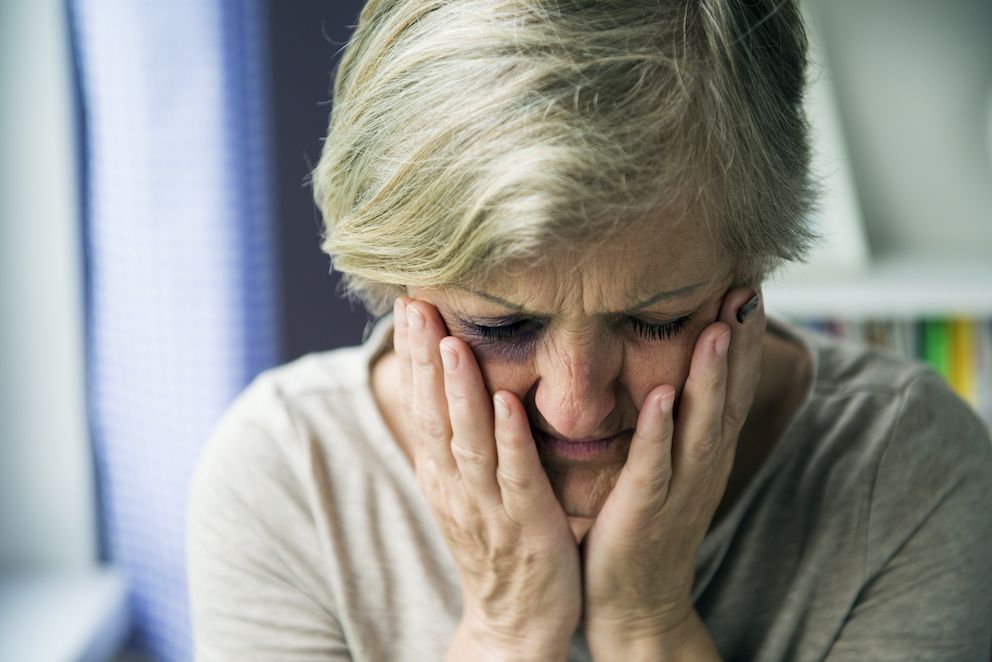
point(655, 298)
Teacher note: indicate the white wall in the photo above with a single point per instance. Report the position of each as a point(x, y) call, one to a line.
point(913, 78)
point(46, 483)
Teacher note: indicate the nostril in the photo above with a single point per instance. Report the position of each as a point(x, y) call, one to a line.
point(567, 416)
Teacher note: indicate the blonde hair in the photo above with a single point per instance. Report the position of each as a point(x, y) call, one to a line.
point(466, 134)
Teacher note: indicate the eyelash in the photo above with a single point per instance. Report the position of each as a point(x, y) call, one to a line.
point(526, 327)
point(658, 331)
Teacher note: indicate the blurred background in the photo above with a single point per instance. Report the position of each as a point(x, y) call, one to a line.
point(159, 247)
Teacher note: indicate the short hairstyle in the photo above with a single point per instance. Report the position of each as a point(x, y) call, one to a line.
point(466, 134)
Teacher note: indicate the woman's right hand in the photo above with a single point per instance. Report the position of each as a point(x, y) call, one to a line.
point(480, 472)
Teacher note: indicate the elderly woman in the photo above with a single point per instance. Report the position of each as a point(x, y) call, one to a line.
point(577, 436)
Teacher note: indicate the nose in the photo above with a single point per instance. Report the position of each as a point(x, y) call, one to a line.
point(576, 388)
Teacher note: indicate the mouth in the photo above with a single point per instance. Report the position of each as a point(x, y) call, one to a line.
point(584, 450)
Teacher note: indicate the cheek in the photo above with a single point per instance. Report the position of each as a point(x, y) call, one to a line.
point(649, 365)
point(646, 365)
point(502, 375)
point(652, 364)
point(501, 372)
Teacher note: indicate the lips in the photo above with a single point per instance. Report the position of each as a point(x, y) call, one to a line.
point(585, 450)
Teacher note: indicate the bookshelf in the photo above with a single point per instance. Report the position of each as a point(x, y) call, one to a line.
point(902, 149)
point(931, 309)
point(901, 287)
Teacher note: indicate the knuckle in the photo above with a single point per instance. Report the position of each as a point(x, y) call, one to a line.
point(423, 356)
point(506, 437)
point(716, 377)
point(470, 455)
point(656, 481)
point(705, 380)
point(434, 430)
point(706, 445)
point(457, 396)
point(430, 426)
point(514, 481)
point(734, 417)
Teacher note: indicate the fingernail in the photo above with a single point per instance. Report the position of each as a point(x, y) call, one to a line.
point(414, 318)
point(722, 344)
point(502, 410)
point(666, 403)
point(449, 358)
point(745, 312)
point(399, 314)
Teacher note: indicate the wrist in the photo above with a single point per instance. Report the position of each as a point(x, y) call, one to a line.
point(475, 642)
point(686, 640)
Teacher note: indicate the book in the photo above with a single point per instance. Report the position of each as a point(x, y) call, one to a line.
point(958, 348)
point(963, 369)
point(936, 346)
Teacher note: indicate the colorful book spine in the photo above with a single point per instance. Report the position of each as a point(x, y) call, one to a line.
point(964, 359)
point(937, 346)
point(958, 348)
point(983, 343)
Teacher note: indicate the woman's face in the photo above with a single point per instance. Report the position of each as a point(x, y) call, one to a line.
point(582, 348)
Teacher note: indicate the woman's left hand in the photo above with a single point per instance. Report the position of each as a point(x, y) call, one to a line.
point(640, 553)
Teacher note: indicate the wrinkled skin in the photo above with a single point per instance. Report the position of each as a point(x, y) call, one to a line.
point(511, 508)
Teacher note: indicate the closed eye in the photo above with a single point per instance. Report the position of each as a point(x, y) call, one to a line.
point(664, 330)
point(509, 331)
point(527, 328)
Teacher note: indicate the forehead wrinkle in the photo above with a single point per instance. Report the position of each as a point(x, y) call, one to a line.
point(596, 291)
point(626, 276)
point(561, 297)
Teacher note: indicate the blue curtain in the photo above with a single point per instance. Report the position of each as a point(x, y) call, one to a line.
point(180, 266)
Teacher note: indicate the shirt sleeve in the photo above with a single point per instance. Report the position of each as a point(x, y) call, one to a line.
point(253, 556)
point(928, 588)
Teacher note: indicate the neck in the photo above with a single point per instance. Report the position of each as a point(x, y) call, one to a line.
point(786, 369)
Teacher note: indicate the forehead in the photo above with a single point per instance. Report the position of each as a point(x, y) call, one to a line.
point(619, 273)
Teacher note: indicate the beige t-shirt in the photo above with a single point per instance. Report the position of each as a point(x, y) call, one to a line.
point(866, 534)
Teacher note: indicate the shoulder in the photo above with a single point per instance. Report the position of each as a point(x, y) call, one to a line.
point(295, 428)
point(868, 393)
point(273, 414)
point(921, 454)
point(308, 420)
point(251, 538)
point(264, 465)
point(907, 467)
point(895, 404)
point(935, 473)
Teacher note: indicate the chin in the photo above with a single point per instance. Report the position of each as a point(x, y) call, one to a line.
point(582, 491)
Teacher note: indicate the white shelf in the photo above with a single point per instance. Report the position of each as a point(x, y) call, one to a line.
point(63, 618)
point(900, 287)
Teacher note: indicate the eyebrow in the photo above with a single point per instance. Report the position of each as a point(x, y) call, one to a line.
point(660, 296)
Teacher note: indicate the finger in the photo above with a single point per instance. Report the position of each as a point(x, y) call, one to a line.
point(643, 484)
point(471, 413)
point(743, 309)
point(401, 345)
point(429, 405)
point(524, 488)
point(699, 426)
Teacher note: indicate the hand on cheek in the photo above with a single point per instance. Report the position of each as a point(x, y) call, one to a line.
point(640, 553)
point(477, 466)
